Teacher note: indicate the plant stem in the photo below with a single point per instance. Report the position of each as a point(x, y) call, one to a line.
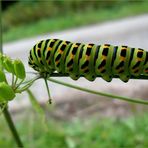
point(5, 111)
point(27, 85)
point(1, 50)
point(12, 80)
point(100, 93)
point(12, 127)
point(16, 79)
point(49, 97)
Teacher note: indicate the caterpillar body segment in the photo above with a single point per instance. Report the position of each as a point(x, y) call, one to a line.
point(88, 60)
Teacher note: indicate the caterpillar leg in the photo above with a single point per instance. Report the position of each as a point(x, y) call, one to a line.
point(107, 78)
point(124, 78)
point(74, 77)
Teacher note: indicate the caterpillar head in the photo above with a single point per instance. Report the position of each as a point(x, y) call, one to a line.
point(32, 63)
point(36, 62)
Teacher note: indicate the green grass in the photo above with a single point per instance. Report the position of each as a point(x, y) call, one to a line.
point(46, 26)
point(102, 133)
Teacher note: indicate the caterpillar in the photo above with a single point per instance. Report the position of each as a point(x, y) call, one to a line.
point(88, 60)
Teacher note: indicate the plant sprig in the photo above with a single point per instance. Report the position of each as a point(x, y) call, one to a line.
point(18, 74)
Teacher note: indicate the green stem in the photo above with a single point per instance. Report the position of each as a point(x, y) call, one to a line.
point(12, 80)
point(16, 79)
point(100, 93)
point(12, 128)
point(3, 106)
point(27, 85)
point(1, 39)
point(50, 100)
point(19, 84)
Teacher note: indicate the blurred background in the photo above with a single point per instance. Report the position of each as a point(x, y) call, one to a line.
point(77, 119)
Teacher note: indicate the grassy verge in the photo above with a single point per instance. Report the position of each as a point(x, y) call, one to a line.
point(46, 26)
point(129, 132)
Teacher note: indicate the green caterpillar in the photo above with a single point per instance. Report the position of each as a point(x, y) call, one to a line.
point(88, 60)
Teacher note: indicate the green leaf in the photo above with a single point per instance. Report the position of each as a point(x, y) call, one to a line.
point(19, 69)
point(8, 64)
point(6, 92)
point(2, 76)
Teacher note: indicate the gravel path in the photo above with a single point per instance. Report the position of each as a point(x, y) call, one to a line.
point(130, 31)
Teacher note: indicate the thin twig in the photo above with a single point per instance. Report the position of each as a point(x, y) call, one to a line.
point(12, 127)
point(49, 96)
point(27, 85)
point(1, 50)
point(140, 101)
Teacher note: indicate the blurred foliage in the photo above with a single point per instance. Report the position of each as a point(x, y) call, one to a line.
point(24, 12)
point(65, 20)
point(107, 132)
point(6, 4)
